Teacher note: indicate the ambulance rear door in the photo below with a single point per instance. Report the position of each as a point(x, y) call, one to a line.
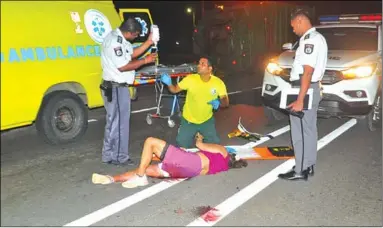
point(144, 17)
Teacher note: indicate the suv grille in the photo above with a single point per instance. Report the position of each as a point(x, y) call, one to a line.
point(330, 76)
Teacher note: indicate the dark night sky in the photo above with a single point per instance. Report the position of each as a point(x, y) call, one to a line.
point(176, 25)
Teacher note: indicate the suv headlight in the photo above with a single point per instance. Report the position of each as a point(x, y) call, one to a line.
point(273, 68)
point(359, 72)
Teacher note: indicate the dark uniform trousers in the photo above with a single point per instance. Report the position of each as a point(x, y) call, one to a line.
point(116, 136)
point(307, 157)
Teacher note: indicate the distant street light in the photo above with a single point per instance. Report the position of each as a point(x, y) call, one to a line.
point(190, 10)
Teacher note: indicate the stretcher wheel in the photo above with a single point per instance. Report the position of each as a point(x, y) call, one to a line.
point(171, 123)
point(149, 119)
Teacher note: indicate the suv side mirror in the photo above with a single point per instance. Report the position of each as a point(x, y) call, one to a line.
point(287, 46)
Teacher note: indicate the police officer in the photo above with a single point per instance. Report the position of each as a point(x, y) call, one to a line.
point(119, 62)
point(307, 72)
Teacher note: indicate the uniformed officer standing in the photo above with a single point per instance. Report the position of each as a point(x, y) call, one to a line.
point(307, 72)
point(119, 64)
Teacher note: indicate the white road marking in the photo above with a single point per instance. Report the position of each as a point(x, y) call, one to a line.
point(139, 196)
point(234, 92)
point(232, 203)
point(229, 93)
point(154, 108)
point(145, 109)
point(122, 204)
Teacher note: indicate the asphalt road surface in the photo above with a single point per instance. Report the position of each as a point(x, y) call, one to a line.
point(44, 185)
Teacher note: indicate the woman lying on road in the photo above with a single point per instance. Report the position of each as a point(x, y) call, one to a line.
point(175, 163)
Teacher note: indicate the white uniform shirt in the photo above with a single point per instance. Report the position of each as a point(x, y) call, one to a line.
point(116, 52)
point(312, 51)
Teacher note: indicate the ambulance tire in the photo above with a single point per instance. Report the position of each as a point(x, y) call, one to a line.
point(273, 116)
point(63, 118)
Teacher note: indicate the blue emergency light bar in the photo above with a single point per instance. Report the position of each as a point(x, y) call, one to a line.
point(329, 18)
point(356, 18)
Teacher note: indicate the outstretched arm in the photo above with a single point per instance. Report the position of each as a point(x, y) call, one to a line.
point(210, 147)
point(167, 80)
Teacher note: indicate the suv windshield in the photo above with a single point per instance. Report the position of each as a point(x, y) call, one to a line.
point(350, 38)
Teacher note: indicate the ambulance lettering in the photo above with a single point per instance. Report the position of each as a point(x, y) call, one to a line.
point(49, 53)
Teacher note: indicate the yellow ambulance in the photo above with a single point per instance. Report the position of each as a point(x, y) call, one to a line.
point(50, 63)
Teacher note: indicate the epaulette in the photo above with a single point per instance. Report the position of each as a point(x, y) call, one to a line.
point(119, 39)
point(307, 36)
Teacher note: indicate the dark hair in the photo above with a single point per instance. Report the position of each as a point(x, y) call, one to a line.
point(234, 164)
point(301, 11)
point(209, 60)
point(131, 25)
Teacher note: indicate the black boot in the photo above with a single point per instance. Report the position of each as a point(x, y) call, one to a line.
point(292, 175)
point(310, 170)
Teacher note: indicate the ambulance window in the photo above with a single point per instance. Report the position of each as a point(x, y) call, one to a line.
point(145, 22)
point(351, 38)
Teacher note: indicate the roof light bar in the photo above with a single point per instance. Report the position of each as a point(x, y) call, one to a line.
point(351, 18)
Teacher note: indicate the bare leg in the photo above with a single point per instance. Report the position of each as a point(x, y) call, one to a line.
point(151, 171)
point(151, 146)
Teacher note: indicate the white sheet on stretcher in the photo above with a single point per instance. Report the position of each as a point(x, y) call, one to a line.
point(160, 69)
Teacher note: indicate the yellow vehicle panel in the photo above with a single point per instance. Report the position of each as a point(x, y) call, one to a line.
point(46, 46)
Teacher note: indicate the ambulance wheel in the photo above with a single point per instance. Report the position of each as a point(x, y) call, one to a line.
point(171, 123)
point(149, 119)
point(374, 118)
point(273, 115)
point(63, 118)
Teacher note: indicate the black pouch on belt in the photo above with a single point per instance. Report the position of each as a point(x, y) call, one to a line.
point(106, 86)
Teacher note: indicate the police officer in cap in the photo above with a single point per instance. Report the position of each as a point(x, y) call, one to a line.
point(118, 59)
point(307, 72)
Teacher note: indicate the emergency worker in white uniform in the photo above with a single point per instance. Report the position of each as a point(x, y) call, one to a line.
point(307, 72)
point(118, 60)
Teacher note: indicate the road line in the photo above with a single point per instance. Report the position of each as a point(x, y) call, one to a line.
point(122, 204)
point(234, 92)
point(139, 196)
point(92, 120)
point(239, 91)
point(264, 139)
point(239, 198)
point(144, 110)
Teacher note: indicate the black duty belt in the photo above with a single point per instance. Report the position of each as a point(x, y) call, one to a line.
point(118, 84)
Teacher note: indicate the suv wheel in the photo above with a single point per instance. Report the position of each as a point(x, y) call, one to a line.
point(374, 118)
point(273, 115)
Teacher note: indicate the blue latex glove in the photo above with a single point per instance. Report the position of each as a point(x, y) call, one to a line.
point(215, 103)
point(165, 78)
point(230, 150)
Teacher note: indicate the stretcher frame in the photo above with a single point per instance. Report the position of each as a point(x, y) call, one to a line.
point(153, 75)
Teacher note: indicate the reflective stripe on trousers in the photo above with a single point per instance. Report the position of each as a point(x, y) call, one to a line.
point(116, 136)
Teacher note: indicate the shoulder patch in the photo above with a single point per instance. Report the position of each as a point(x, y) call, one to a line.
point(309, 48)
point(307, 36)
point(118, 51)
point(119, 39)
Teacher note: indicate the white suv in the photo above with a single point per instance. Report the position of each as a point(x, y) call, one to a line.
point(352, 80)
